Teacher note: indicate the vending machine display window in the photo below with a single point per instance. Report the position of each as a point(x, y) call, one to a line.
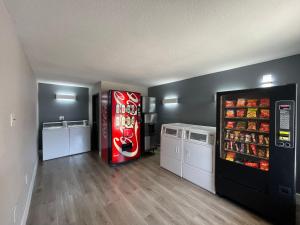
point(245, 128)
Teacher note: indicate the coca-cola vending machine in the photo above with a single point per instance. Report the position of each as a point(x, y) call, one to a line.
point(120, 126)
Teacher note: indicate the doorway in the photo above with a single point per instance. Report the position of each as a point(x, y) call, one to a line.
point(96, 122)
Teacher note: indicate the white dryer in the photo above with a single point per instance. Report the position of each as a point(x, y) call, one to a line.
point(171, 146)
point(80, 139)
point(198, 164)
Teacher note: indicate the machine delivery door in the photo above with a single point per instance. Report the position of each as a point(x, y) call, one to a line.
point(198, 156)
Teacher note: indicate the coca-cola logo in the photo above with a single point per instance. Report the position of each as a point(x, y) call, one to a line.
point(118, 142)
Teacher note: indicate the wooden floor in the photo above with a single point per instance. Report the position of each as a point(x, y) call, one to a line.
point(82, 190)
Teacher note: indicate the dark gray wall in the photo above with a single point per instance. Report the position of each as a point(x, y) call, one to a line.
point(196, 95)
point(50, 109)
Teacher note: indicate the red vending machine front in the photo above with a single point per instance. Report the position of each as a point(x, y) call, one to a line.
point(120, 141)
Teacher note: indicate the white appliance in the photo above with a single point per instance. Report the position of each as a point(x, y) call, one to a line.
point(65, 138)
point(55, 142)
point(198, 165)
point(171, 147)
point(80, 139)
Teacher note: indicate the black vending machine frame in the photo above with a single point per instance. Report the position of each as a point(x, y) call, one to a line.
point(272, 193)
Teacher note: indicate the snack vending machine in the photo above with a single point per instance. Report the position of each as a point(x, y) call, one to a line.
point(256, 150)
point(120, 126)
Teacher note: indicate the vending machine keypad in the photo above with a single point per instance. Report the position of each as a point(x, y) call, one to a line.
point(285, 119)
point(284, 116)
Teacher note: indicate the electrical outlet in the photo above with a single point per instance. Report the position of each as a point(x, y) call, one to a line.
point(12, 119)
point(61, 118)
point(14, 215)
point(26, 179)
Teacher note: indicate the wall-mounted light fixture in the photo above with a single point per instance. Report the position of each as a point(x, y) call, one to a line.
point(267, 80)
point(65, 97)
point(173, 100)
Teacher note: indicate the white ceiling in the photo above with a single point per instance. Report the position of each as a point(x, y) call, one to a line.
point(150, 42)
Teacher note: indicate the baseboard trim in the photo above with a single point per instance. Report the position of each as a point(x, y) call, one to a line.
point(29, 195)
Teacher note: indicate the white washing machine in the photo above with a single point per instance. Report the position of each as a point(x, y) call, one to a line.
point(171, 146)
point(198, 164)
point(55, 142)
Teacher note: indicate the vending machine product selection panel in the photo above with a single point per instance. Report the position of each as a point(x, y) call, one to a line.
point(285, 118)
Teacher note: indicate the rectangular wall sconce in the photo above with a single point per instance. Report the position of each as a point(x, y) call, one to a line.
point(65, 97)
point(170, 101)
point(267, 80)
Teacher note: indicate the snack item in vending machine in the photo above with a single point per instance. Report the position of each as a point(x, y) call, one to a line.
point(264, 127)
point(261, 139)
point(237, 135)
point(265, 113)
point(230, 124)
point(241, 125)
point(251, 102)
point(264, 102)
point(236, 147)
point(260, 153)
point(253, 136)
point(264, 165)
point(253, 149)
point(251, 126)
point(229, 104)
point(241, 102)
point(267, 153)
point(267, 140)
point(242, 137)
point(241, 113)
point(248, 148)
point(251, 164)
point(226, 145)
point(252, 113)
point(247, 138)
point(230, 113)
point(227, 134)
point(242, 150)
point(231, 136)
point(230, 156)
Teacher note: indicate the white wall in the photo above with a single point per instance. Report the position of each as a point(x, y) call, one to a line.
point(107, 85)
point(18, 144)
